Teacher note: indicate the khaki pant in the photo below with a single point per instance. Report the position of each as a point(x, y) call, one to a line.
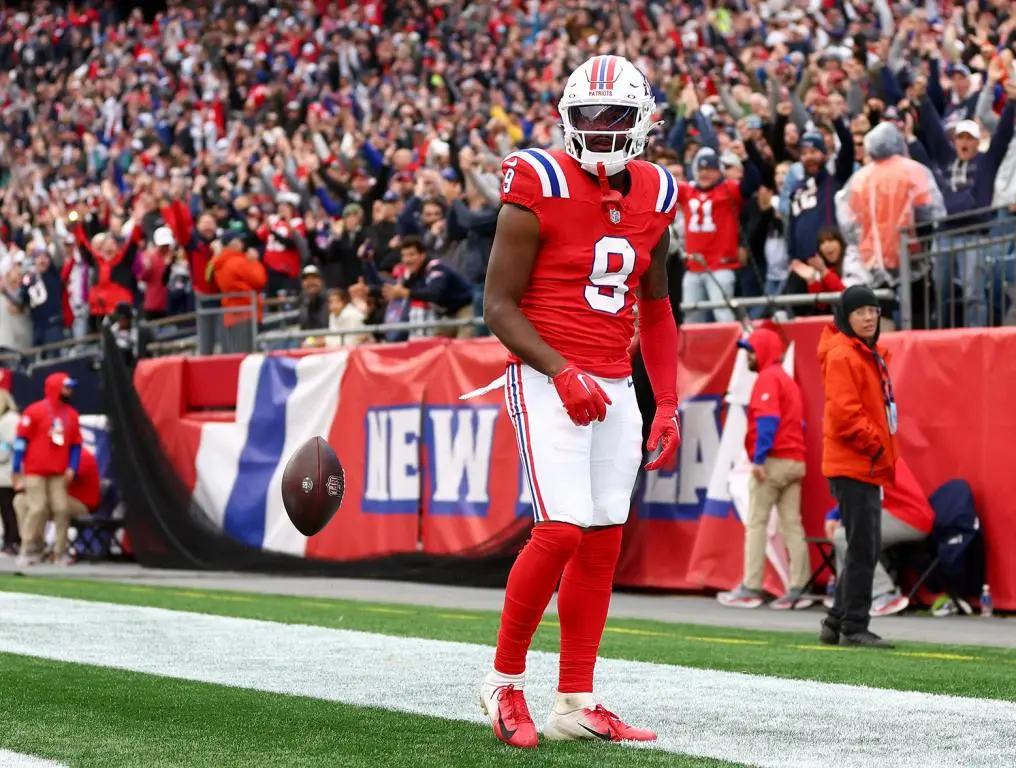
point(460, 332)
point(782, 489)
point(44, 498)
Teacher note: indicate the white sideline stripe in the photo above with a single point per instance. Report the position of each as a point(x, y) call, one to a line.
point(760, 721)
point(17, 760)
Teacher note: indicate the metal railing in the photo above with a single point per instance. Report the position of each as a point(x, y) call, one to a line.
point(960, 272)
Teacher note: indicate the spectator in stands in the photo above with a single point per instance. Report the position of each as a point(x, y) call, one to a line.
point(859, 454)
point(47, 452)
point(343, 314)
point(75, 278)
point(775, 445)
point(9, 416)
point(906, 517)
point(891, 195)
point(822, 272)
point(235, 271)
point(151, 272)
point(966, 178)
point(42, 296)
point(712, 210)
point(284, 236)
point(15, 324)
point(430, 290)
point(113, 263)
point(812, 204)
point(314, 302)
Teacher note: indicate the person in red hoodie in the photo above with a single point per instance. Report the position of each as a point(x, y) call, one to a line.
point(84, 492)
point(775, 445)
point(47, 453)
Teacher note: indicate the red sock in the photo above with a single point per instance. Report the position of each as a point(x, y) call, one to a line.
point(582, 604)
point(531, 584)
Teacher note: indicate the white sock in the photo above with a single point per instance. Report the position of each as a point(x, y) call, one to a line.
point(496, 678)
point(569, 702)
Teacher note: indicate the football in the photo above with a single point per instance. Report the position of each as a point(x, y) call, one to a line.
point(312, 486)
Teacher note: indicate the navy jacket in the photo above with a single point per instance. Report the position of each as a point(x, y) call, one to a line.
point(442, 286)
point(981, 171)
point(43, 295)
point(812, 200)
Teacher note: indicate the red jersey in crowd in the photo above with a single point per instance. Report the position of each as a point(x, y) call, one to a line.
point(712, 224)
point(281, 252)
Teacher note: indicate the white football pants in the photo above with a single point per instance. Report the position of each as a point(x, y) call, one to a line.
point(578, 475)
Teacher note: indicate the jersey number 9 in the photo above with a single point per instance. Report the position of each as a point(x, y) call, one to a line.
point(506, 183)
point(613, 263)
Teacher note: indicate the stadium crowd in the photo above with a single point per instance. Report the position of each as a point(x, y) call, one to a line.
point(349, 153)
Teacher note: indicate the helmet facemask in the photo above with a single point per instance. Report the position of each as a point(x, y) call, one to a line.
point(611, 134)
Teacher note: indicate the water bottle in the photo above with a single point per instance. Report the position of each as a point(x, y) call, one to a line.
point(986, 607)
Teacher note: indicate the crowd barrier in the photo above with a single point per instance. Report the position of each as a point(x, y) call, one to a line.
point(428, 472)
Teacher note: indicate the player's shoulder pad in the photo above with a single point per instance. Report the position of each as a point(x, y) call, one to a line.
point(535, 174)
point(666, 191)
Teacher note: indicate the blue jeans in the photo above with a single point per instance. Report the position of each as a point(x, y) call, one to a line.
point(960, 280)
point(699, 286)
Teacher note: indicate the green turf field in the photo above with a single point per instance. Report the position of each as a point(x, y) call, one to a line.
point(972, 671)
point(92, 716)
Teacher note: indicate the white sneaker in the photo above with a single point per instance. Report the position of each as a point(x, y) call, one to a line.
point(575, 718)
point(65, 559)
point(26, 561)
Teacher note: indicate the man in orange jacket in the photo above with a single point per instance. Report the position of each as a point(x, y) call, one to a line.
point(859, 455)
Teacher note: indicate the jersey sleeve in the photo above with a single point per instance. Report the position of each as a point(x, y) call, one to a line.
point(667, 193)
point(734, 187)
point(521, 183)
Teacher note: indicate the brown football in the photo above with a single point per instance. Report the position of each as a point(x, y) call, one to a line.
point(312, 486)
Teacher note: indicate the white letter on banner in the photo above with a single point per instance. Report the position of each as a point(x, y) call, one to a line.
point(699, 448)
point(466, 453)
point(404, 459)
point(377, 456)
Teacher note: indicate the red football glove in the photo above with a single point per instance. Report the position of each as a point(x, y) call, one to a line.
point(666, 430)
point(582, 397)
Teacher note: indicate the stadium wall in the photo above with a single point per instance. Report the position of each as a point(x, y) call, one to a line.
point(427, 472)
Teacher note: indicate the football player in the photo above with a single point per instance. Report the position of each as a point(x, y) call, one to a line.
point(581, 238)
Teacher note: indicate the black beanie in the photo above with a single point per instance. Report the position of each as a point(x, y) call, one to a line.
point(855, 297)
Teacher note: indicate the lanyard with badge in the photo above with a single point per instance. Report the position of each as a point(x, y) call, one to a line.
point(56, 431)
point(887, 393)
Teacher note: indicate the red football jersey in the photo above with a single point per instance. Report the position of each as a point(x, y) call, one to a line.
point(580, 295)
point(712, 223)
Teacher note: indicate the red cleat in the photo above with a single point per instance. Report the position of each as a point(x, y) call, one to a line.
point(593, 723)
point(506, 707)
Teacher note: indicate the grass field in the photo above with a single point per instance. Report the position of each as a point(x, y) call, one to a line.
point(146, 714)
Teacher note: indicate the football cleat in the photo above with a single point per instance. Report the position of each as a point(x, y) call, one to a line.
point(506, 707)
point(596, 723)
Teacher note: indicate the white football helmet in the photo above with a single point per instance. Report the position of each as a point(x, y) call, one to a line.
point(607, 112)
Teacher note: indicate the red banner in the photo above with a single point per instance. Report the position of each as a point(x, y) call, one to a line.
point(426, 470)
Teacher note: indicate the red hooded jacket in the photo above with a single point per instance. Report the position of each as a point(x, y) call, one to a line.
point(86, 486)
point(48, 435)
point(775, 412)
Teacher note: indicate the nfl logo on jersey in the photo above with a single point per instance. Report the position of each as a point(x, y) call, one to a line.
point(615, 216)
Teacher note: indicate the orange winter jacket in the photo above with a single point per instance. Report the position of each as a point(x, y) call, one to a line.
point(855, 427)
point(233, 272)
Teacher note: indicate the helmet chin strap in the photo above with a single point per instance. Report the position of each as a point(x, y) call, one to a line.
point(610, 198)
